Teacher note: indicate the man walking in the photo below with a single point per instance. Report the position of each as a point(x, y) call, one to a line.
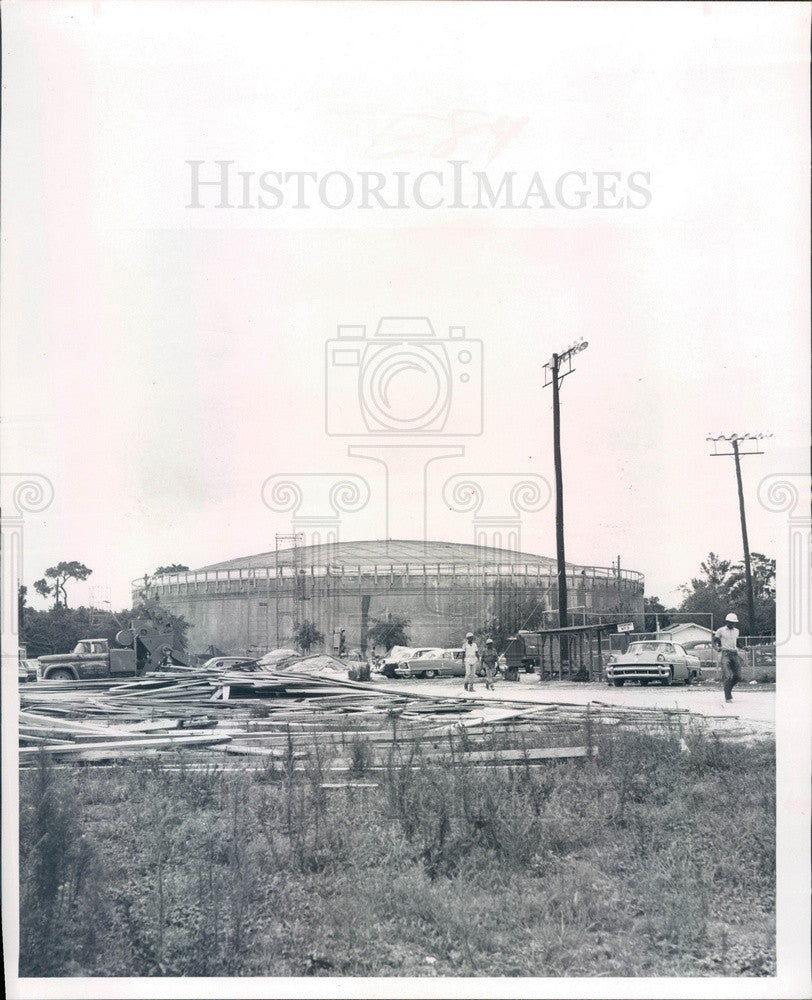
point(726, 639)
point(471, 660)
point(490, 659)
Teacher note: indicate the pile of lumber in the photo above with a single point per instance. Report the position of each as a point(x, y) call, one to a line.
point(309, 707)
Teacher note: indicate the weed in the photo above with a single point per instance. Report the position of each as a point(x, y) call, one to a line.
point(58, 875)
point(360, 755)
point(636, 862)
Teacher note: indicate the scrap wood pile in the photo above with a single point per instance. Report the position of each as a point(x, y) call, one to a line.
point(302, 707)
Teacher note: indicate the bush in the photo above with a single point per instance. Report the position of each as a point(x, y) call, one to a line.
point(60, 899)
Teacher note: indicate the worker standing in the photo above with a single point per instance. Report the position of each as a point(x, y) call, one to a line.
point(490, 660)
point(471, 660)
point(726, 639)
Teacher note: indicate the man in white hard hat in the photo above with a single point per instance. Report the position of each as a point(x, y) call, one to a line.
point(471, 660)
point(726, 639)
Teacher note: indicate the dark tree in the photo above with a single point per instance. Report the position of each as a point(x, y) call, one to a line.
point(174, 568)
point(60, 574)
point(722, 589)
point(57, 630)
point(511, 608)
point(22, 608)
point(307, 635)
point(656, 613)
point(762, 571)
point(389, 632)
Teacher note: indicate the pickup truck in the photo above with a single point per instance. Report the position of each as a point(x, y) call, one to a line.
point(145, 648)
point(90, 658)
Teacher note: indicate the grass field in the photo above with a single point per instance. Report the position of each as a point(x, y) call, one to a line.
point(644, 861)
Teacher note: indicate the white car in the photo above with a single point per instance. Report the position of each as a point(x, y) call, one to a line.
point(224, 662)
point(400, 654)
point(664, 662)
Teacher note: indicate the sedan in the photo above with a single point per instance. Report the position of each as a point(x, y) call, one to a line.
point(433, 663)
point(391, 665)
point(708, 657)
point(441, 663)
point(666, 662)
point(225, 662)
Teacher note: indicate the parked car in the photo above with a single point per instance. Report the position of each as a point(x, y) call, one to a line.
point(441, 663)
point(760, 663)
point(408, 666)
point(26, 669)
point(386, 665)
point(708, 657)
point(702, 648)
point(224, 662)
point(434, 663)
point(402, 654)
point(666, 662)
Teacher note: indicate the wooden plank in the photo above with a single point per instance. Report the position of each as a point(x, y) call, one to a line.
point(276, 753)
point(31, 738)
point(486, 756)
point(349, 784)
point(144, 744)
point(494, 716)
point(542, 753)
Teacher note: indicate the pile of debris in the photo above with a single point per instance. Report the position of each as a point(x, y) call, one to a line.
point(290, 706)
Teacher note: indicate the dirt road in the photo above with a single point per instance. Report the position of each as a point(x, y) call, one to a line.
point(752, 704)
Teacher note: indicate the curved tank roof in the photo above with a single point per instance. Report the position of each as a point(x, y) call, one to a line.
point(382, 552)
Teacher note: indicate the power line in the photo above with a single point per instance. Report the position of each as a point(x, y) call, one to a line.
point(750, 444)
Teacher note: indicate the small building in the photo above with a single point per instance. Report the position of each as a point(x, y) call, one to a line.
point(686, 632)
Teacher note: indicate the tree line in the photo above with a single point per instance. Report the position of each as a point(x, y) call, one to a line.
point(60, 627)
point(721, 588)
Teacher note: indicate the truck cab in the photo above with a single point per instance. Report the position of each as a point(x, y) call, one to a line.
point(91, 658)
point(92, 647)
point(523, 650)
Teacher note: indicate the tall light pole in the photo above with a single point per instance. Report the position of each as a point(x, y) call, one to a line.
point(734, 440)
point(554, 376)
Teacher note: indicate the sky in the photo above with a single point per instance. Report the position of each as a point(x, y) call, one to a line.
point(161, 362)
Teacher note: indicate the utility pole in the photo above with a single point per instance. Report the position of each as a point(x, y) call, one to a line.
point(734, 440)
point(554, 376)
point(559, 499)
